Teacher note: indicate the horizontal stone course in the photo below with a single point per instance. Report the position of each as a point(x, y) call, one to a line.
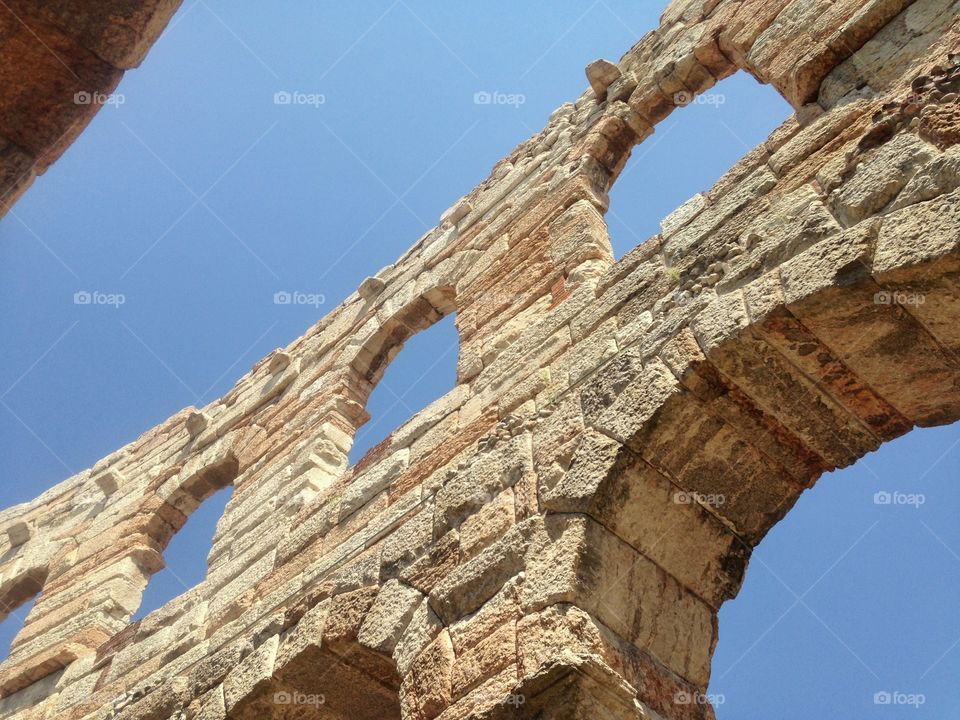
point(557, 533)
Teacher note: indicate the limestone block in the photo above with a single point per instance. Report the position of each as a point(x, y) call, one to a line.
point(429, 683)
point(476, 581)
point(489, 523)
point(210, 672)
point(255, 670)
point(197, 422)
point(580, 235)
point(456, 213)
point(938, 177)
point(683, 215)
point(602, 74)
point(638, 403)
point(816, 135)
point(879, 179)
point(211, 706)
point(485, 659)
point(19, 533)
point(679, 633)
point(882, 59)
point(306, 635)
point(492, 472)
point(919, 233)
point(752, 187)
point(110, 481)
point(371, 287)
point(423, 627)
point(279, 361)
point(372, 481)
point(387, 620)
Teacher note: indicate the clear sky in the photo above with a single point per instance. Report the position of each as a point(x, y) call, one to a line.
point(197, 198)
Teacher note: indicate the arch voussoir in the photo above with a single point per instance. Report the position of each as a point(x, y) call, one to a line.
point(555, 537)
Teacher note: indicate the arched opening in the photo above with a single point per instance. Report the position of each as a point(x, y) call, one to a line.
point(424, 370)
point(690, 150)
point(424, 376)
point(326, 666)
point(852, 595)
point(16, 601)
point(185, 557)
point(11, 624)
point(184, 526)
point(830, 331)
point(337, 681)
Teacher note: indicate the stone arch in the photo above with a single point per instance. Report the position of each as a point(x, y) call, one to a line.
point(396, 320)
point(21, 588)
point(411, 317)
point(191, 488)
point(703, 438)
point(18, 590)
point(93, 588)
point(829, 329)
point(699, 44)
point(162, 512)
point(332, 656)
point(566, 549)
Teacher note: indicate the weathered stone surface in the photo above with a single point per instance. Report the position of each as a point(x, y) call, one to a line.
point(371, 287)
point(602, 74)
point(255, 671)
point(387, 620)
point(554, 537)
point(429, 687)
point(880, 178)
point(119, 31)
point(60, 61)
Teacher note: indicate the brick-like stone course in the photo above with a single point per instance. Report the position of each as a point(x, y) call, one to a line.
point(555, 536)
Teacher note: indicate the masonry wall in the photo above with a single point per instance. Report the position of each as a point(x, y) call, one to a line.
point(555, 536)
point(60, 60)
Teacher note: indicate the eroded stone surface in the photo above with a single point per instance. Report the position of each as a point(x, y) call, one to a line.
point(554, 537)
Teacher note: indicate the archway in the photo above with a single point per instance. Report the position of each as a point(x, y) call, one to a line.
point(332, 680)
point(397, 321)
point(423, 371)
point(187, 553)
point(17, 596)
point(670, 173)
point(711, 439)
point(850, 596)
point(787, 326)
point(186, 496)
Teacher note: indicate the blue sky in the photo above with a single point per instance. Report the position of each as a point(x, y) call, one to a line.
point(197, 198)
